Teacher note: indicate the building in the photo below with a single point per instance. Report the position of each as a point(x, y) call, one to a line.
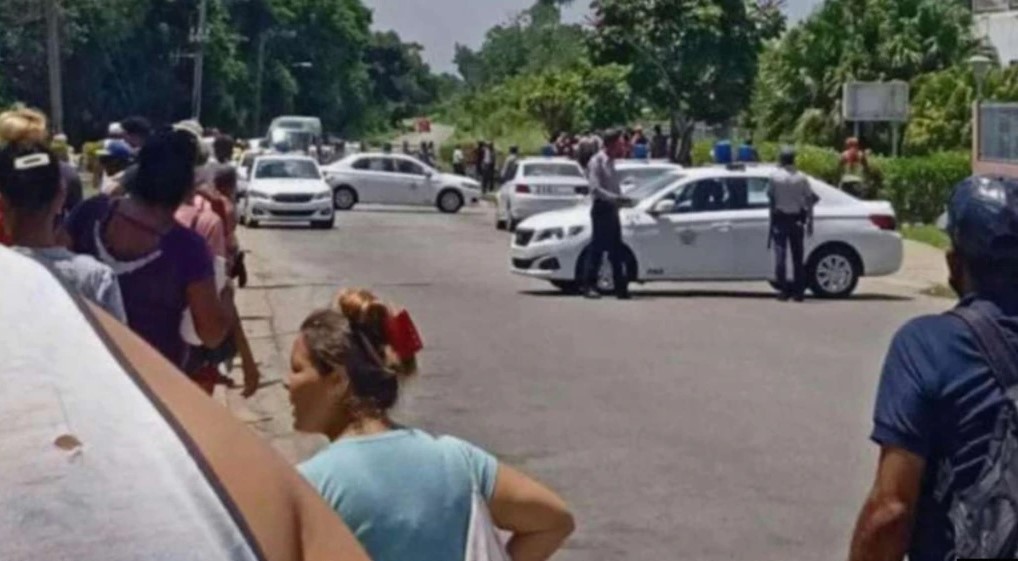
point(995, 125)
point(997, 21)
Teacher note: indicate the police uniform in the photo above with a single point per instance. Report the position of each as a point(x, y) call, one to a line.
point(791, 202)
point(606, 190)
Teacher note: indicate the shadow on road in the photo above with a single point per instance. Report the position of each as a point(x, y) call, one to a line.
point(649, 295)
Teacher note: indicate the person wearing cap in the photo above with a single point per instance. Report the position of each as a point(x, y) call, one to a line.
point(114, 157)
point(939, 402)
point(791, 205)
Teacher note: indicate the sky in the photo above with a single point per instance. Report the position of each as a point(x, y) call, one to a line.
point(440, 24)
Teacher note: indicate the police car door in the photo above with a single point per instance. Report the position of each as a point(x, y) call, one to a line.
point(694, 241)
point(750, 226)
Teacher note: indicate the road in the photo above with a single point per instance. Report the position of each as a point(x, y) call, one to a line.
point(702, 422)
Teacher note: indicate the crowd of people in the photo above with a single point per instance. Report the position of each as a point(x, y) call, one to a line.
point(157, 251)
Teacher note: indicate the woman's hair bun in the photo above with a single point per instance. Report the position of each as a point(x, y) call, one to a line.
point(23, 126)
point(369, 316)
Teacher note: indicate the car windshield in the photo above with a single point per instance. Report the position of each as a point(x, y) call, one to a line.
point(287, 169)
point(652, 186)
point(552, 170)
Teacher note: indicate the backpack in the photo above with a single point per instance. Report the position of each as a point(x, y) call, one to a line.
point(985, 515)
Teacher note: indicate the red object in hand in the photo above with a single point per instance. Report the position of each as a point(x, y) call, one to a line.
point(403, 336)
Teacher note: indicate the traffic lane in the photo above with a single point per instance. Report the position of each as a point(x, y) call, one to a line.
point(704, 419)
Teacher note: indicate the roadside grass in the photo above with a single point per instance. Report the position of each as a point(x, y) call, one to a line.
point(929, 235)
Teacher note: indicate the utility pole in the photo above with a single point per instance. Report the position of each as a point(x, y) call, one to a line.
point(200, 37)
point(263, 38)
point(56, 97)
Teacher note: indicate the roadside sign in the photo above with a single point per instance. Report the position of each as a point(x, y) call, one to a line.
point(875, 101)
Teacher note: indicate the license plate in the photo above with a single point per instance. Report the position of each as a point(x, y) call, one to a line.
point(554, 190)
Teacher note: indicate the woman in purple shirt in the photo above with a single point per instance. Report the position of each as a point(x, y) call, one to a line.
point(163, 268)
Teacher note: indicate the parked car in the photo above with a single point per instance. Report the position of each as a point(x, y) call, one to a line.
point(634, 173)
point(285, 188)
point(713, 224)
point(536, 185)
point(397, 179)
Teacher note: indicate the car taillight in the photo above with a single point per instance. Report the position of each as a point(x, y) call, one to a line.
point(884, 222)
point(582, 190)
point(521, 188)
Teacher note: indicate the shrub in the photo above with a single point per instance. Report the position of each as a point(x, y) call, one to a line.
point(919, 187)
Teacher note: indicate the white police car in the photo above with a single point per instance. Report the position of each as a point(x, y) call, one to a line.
point(536, 185)
point(711, 224)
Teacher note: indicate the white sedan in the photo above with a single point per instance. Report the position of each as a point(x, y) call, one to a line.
point(397, 179)
point(713, 224)
point(285, 188)
point(535, 185)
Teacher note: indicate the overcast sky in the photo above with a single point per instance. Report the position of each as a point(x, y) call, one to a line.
point(440, 24)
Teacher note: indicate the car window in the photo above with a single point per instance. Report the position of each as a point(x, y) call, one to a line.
point(552, 170)
point(287, 169)
point(654, 186)
point(638, 176)
point(746, 193)
point(757, 192)
point(708, 195)
point(409, 167)
point(362, 164)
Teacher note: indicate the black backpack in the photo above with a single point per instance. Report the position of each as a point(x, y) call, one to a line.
point(985, 515)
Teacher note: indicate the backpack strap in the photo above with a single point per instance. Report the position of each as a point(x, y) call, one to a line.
point(995, 348)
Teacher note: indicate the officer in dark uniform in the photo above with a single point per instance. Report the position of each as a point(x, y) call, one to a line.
point(791, 203)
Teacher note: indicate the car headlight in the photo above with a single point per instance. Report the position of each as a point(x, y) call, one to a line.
point(549, 234)
point(575, 231)
point(471, 185)
point(323, 195)
point(257, 195)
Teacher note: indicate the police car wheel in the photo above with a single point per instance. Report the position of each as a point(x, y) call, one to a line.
point(834, 273)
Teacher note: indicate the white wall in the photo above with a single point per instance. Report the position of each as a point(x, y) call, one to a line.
point(1002, 29)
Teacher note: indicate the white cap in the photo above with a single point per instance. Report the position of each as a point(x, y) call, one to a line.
point(115, 130)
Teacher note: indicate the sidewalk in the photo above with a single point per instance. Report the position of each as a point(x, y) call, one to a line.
point(924, 267)
point(268, 412)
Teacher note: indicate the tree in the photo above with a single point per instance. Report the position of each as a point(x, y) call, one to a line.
point(402, 84)
point(847, 40)
point(694, 60)
point(532, 42)
point(942, 107)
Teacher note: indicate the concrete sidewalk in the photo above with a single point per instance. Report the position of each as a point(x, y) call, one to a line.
point(268, 412)
point(924, 268)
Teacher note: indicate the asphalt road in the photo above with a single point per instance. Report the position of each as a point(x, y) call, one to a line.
point(701, 422)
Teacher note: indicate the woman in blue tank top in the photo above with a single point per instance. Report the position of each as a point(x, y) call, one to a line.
point(406, 494)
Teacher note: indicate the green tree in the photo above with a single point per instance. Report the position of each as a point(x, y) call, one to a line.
point(801, 75)
point(402, 84)
point(532, 42)
point(942, 107)
point(694, 60)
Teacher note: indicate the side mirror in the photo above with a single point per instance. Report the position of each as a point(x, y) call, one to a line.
point(429, 174)
point(666, 206)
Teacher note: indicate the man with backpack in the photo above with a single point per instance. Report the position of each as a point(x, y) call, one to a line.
point(947, 478)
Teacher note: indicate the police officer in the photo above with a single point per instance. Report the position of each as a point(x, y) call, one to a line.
point(791, 203)
point(606, 190)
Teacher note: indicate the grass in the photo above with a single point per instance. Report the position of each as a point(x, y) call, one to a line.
point(929, 235)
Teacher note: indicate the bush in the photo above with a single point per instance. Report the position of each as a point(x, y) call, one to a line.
point(919, 187)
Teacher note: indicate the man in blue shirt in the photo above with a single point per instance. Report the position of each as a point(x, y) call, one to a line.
point(938, 401)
